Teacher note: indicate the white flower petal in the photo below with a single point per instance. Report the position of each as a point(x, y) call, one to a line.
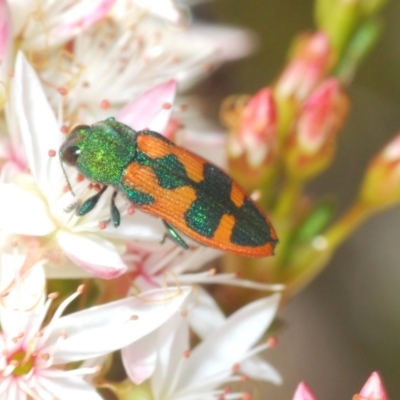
point(139, 358)
point(162, 8)
point(22, 212)
point(13, 322)
point(205, 317)
point(68, 387)
point(258, 369)
point(229, 344)
point(11, 389)
point(151, 110)
point(63, 19)
point(173, 342)
point(112, 323)
point(26, 289)
point(94, 362)
point(82, 15)
point(228, 43)
point(93, 253)
point(139, 226)
point(38, 128)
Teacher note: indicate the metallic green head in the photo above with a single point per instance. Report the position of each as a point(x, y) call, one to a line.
point(101, 151)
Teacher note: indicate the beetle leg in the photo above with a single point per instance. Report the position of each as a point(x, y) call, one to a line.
point(174, 236)
point(115, 215)
point(73, 206)
point(90, 203)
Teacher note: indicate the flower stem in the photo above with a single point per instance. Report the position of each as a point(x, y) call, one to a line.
point(289, 196)
point(347, 224)
point(312, 260)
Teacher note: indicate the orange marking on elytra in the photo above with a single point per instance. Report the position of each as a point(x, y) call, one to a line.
point(168, 202)
point(237, 195)
point(155, 148)
point(224, 230)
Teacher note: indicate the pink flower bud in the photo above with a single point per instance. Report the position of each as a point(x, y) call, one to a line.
point(303, 392)
point(258, 130)
point(308, 66)
point(321, 116)
point(373, 388)
point(310, 146)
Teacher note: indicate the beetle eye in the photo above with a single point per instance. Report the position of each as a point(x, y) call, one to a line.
point(70, 155)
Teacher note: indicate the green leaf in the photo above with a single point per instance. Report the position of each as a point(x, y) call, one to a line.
point(360, 45)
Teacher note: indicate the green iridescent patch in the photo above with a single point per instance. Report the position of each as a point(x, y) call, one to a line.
point(204, 215)
point(136, 197)
point(170, 172)
point(255, 232)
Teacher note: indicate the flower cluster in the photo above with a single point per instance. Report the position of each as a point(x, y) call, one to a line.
point(287, 133)
point(76, 287)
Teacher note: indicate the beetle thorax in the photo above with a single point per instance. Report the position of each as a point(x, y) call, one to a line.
point(104, 156)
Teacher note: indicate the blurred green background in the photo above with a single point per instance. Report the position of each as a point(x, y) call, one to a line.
point(346, 324)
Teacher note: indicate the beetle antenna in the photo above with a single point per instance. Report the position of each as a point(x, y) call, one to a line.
point(66, 178)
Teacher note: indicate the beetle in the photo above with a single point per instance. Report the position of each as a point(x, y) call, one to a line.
point(160, 178)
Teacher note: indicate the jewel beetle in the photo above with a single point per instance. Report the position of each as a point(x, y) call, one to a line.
point(187, 192)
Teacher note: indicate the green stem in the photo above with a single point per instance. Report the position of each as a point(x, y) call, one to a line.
point(288, 198)
point(267, 185)
point(313, 260)
point(342, 229)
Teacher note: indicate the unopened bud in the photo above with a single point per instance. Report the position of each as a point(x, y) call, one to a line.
point(373, 388)
point(303, 392)
point(309, 64)
point(381, 185)
point(311, 145)
point(258, 131)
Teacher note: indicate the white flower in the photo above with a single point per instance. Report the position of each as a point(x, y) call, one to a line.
point(110, 64)
point(177, 374)
point(35, 204)
point(157, 266)
point(22, 278)
point(166, 9)
point(31, 357)
point(41, 25)
point(98, 251)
